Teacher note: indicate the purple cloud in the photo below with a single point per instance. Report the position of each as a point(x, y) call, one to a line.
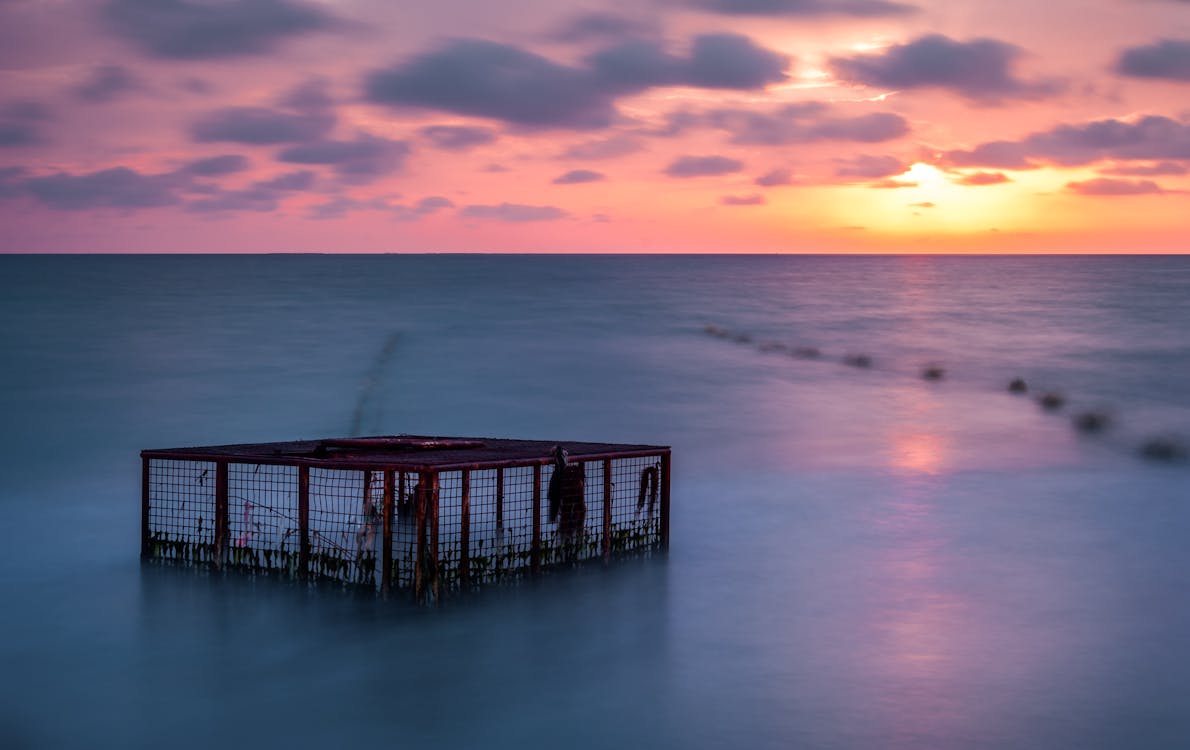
point(804, 8)
point(870, 167)
point(20, 122)
point(732, 61)
point(356, 161)
point(577, 176)
point(426, 206)
point(301, 180)
point(486, 79)
point(513, 212)
point(305, 113)
point(1160, 169)
point(980, 69)
point(457, 137)
point(1167, 59)
point(260, 126)
point(774, 178)
point(994, 154)
point(335, 208)
point(216, 166)
point(982, 178)
point(118, 187)
point(1105, 186)
point(9, 185)
point(1151, 137)
point(716, 61)
point(605, 148)
point(105, 83)
point(803, 123)
point(231, 201)
point(196, 30)
point(754, 199)
point(703, 166)
point(598, 25)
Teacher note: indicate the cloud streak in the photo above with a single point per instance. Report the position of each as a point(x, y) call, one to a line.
point(512, 212)
point(1151, 137)
point(703, 166)
point(1167, 59)
point(197, 30)
point(1108, 187)
point(980, 70)
point(804, 8)
point(481, 78)
point(579, 176)
point(357, 161)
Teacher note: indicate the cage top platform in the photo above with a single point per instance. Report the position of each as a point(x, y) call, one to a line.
point(405, 452)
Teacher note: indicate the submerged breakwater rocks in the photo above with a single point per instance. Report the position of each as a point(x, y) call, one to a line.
point(1161, 449)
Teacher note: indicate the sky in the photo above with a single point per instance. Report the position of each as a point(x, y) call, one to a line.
point(800, 126)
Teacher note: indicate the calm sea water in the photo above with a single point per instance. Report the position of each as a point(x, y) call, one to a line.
point(860, 559)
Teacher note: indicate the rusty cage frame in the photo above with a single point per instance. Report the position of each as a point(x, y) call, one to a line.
point(433, 515)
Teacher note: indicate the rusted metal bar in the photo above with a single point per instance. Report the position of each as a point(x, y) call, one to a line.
point(402, 503)
point(145, 550)
point(434, 538)
point(386, 533)
point(419, 567)
point(535, 550)
point(303, 522)
point(607, 510)
point(665, 479)
point(500, 499)
point(465, 533)
point(379, 463)
point(221, 523)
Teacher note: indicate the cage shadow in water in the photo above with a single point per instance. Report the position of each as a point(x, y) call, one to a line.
point(427, 515)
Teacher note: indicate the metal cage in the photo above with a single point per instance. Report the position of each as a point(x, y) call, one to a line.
point(430, 515)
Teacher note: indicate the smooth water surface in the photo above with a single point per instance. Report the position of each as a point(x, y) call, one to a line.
point(860, 558)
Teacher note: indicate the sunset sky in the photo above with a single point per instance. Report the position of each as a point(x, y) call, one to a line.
point(556, 126)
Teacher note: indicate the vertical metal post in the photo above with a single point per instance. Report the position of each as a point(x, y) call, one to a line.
point(303, 522)
point(145, 550)
point(420, 491)
point(386, 534)
point(369, 513)
point(535, 550)
point(607, 510)
point(434, 538)
point(221, 513)
point(402, 504)
point(500, 499)
point(465, 532)
point(665, 479)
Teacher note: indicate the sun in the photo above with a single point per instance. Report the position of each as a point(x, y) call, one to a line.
point(927, 199)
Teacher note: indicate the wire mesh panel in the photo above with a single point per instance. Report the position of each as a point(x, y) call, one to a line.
point(405, 531)
point(333, 511)
point(636, 523)
point(345, 509)
point(263, 521)
point(181, 514)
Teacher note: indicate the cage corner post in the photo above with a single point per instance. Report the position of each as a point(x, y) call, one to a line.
point(435, 586)
point(303, 522)
point(535, 549)
point(607, 511)
point(465, 532)
point(221, 514)
point(145, 491)
point(386, 533)
point(666, 471)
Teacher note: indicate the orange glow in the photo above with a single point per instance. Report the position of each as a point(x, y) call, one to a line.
point(918, 453)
